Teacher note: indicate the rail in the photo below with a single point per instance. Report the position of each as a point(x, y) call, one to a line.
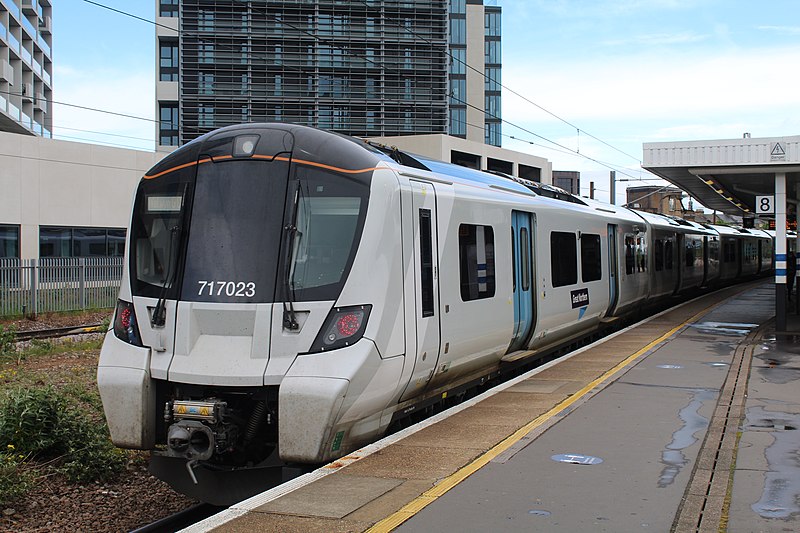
point(29, 287)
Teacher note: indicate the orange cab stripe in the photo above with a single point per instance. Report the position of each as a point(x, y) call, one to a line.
point(279, 158)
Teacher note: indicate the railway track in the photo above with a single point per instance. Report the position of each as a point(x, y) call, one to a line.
point(181, 519)
point(52, 333)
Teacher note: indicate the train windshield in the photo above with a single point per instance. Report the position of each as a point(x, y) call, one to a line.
point(330, 212)
point(235, 234)
point(157, 230)
point(244, 232)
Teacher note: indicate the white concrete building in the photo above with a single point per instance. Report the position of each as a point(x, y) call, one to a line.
point(65, 199)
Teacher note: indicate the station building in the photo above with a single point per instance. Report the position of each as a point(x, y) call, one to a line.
point(747, 177)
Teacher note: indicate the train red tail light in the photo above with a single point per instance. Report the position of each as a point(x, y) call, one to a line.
point(126, 327)
point(343, 327)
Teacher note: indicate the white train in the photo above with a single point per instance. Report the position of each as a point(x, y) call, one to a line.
point(289, 293)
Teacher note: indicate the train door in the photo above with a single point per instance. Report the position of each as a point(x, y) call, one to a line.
point(426, 286)
point(524, 309)
point(613, 269)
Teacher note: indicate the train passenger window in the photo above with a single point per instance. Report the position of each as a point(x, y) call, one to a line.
point(513, 262)
point(668, 255)
point(563, 259)
point(591, 268)
point(476, 259)
point(426, 262)
point(689, 253)
point(641, 254)
point(630, 255)
point(658, 253)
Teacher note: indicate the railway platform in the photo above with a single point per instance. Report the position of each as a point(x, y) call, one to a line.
point(686, 421)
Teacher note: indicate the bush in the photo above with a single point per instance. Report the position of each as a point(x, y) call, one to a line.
point(32, 421)
point(47, 425)
point(15, 477)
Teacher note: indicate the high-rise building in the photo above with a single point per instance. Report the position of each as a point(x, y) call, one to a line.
point(26, 67)
point(362, 67)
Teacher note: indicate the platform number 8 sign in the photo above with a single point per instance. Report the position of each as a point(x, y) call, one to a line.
point(765, 204)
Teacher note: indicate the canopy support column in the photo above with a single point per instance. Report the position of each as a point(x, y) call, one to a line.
point(780, 251)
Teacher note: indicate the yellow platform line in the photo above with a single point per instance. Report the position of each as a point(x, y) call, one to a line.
point(431, 495)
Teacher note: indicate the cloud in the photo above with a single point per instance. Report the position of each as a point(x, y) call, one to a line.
point(781, 30)
point(658, 39)
point(603, 9)
point(655, 86)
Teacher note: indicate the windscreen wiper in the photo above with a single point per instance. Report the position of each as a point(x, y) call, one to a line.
point(159, 317)
point(290, 232)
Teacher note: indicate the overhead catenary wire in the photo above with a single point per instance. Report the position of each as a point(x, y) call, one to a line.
point(488, 78)
point(563, 149)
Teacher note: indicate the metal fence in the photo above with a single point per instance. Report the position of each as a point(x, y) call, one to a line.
point(33, 286)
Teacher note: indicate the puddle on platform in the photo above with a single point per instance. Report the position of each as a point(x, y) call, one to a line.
point(672, 457)
point(576, 459)
point(724, 328)
point(781, 492)
point(778, 367)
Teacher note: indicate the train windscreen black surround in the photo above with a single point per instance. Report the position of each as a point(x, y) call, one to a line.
point(246, 231)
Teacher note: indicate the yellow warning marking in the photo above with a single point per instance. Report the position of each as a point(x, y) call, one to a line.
point(428, 497)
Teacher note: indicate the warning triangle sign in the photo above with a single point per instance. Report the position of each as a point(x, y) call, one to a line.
point(778, 150)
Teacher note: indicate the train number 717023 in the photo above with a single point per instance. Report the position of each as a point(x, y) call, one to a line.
point(227, 288)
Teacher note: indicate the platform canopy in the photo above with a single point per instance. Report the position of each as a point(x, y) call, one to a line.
point(728, 175)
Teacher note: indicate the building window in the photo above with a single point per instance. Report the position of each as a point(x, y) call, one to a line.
point(458, 91)
point(563, 259)
point(81, 242)
point(458, 31)
point(206, 83)
point(492, 52)
point(458, 121)
point(168, 125)
point(492, 23)
point(492, 80)
point(205, 53)
point(205, 116)
point(493, 133)
point(9, 241)
point(168, 70)
point(458, 6)
point(476, 259)
point(458, 61)
point(168, 8)
point(591, 267)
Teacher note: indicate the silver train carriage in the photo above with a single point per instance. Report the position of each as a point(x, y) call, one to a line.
point(289, 292)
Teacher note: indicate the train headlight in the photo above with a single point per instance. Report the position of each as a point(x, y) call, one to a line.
point(126, 327)
point(343, 327)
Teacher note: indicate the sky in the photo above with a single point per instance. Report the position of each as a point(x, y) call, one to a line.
point(586, 82)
